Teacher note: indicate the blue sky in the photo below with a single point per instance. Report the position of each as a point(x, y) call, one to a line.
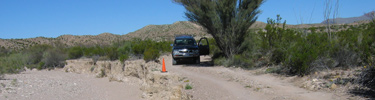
point(52, 18)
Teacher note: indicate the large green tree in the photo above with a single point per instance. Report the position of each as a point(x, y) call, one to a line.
point(226, 20)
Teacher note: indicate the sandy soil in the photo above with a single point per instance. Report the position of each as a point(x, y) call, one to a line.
point(59, 85)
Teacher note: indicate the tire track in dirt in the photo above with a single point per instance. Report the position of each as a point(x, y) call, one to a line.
point(208, 87)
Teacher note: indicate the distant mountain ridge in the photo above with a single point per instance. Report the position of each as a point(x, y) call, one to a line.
point(348, 20)
point(63, 40)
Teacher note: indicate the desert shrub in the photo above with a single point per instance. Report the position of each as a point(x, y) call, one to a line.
point(367, 52)
point(151, 54)
point(124, 57)
point(367, 78)
point(75, 52)
point(165, 46)
point(40, 65)
point(367, 47)
point(53, 58)
point(35, 54)
point(306, 50)
point(1, 74)
point(12, 63)
point(3, 51)
point(249, 50)
point(241, 61)
point(88, 51)
point(277, 55)
point(346, 58)
point(313, 29)
point(219, 60)
point(299, 58)
point(188, 87)
point(150, 49)
point(125, 48)
point(140, 46)
point(275, 41)
point(111, 53)
point(99, 50)
point(235, 61)
point(274, 33)
point(124, 51)
point(354, 46)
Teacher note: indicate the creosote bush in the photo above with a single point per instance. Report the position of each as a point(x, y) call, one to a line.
point(75, 52)
point(151, 54)
point(53, 58)
point(12, 63)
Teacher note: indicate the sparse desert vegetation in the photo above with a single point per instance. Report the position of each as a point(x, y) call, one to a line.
point(301, 53)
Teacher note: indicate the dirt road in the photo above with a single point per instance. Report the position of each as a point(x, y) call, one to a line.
point(220, 83)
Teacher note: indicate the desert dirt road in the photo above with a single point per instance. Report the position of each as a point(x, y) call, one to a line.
point(221, 83)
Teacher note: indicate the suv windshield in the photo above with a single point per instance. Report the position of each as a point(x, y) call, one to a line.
point(180, 42)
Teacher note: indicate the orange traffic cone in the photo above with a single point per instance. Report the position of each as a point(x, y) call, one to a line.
point(163, 69)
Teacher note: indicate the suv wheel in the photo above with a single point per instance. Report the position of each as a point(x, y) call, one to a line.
point(174, 62)
point(198, 60)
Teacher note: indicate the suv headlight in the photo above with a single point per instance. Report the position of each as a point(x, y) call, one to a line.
point(175, 52)
point(184, 50)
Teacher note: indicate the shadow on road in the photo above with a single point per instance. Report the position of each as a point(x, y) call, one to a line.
point(205, 62)
point(364, 93)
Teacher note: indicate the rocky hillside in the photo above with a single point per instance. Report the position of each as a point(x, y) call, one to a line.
point(101, 39)
point(167, 32)
point(63, 40)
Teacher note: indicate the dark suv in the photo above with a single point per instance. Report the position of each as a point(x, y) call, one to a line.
point(186, 48)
